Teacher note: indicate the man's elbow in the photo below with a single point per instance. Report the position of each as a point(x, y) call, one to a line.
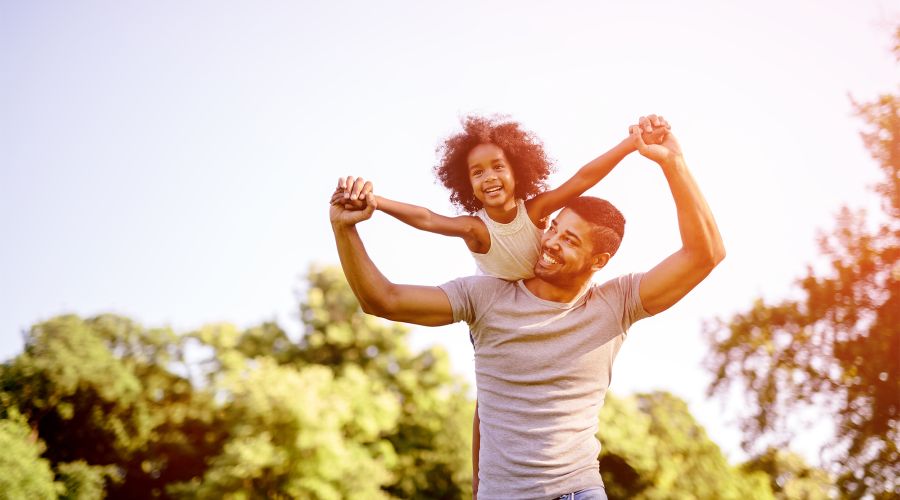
point(375, 308)
point(704, 259)
point(370, 308)
point(720, 254)
point(715, 254)
point(380, 305)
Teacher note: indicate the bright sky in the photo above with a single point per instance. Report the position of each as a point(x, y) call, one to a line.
point(172, 161)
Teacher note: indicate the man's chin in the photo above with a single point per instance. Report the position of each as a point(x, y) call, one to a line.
point(548, 275)
point(558, 277)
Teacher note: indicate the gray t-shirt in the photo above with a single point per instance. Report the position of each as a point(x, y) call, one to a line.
point(542, 370)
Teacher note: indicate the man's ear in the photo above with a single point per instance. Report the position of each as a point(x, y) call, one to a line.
point(600, 261)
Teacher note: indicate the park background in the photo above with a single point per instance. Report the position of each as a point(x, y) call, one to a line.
point(171, 163)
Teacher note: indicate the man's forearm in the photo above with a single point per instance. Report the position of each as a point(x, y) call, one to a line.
point(699, 232)
point(366, 281)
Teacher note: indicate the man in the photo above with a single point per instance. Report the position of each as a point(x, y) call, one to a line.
point(544, 346)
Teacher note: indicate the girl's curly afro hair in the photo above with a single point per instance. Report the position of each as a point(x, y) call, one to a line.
point(525, 153)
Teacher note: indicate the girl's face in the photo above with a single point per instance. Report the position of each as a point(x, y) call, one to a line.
point(492, 177)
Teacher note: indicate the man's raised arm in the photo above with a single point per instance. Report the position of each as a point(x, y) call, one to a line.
point(421, 305)
point(702, 248)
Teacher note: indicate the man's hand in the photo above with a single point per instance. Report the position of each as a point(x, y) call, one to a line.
point(663, 152)
point(352, 202)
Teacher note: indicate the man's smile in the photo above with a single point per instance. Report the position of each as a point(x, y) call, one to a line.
point(547, 259)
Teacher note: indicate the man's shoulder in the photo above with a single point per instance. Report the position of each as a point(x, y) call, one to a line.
point(480, 281)
point(470, 296)
point(622, 294)
point(478, 289)
point(617, 285)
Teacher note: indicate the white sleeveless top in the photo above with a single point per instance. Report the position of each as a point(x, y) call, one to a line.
point(515, 246)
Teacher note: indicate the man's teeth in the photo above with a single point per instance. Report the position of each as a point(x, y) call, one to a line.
point(548, 259)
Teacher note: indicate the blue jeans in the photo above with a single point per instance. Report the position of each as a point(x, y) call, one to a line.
point(586, 494)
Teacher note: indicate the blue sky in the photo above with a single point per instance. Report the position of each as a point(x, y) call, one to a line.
point(172, 161)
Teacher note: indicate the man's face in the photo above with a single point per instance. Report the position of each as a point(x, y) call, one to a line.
point(567, 251)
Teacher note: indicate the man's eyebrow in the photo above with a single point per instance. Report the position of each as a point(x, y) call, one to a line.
point(573, 235)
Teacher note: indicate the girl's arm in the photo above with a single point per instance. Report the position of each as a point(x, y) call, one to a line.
point(467, 227)
point(471, 229)
point(550, 201)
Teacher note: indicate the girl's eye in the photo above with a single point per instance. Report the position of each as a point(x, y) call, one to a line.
point(476, 173)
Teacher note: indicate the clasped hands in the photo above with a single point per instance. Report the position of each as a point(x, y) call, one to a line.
point(352, 202)
point(653, 139)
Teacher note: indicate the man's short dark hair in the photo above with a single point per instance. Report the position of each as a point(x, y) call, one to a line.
point(608, 222)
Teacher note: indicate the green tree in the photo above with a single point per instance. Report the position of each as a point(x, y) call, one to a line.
point(23, 473)
point(419, 447)
point(434, 430)
point(299, 434)
point(83, 481)
point(654, 449)
point(348, 412)
point(101, 392)
point(790, 477)
point(834, 349)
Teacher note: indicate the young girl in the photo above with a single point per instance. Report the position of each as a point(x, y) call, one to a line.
point(496, 172)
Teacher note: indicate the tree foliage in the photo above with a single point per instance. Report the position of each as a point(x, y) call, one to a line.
point(104, 391)
point(654, 449)
point(836, 348)
point(300, 434)
point(23, 473)
point(790, 476)
point(347, 412)
point(434, 431)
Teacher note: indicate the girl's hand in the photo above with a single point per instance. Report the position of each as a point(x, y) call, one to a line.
point(355, 188)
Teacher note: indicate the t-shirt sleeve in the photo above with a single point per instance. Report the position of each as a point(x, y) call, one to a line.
point(626, 290)
point(470, 295)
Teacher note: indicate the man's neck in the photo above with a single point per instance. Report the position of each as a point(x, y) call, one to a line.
point(555, 292)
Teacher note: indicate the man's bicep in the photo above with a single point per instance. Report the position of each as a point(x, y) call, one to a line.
point(668, 282)
point(421, 305)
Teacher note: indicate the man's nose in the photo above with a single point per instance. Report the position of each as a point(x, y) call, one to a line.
point(553, 241)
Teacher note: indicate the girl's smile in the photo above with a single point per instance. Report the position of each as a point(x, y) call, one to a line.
point(493, 183)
